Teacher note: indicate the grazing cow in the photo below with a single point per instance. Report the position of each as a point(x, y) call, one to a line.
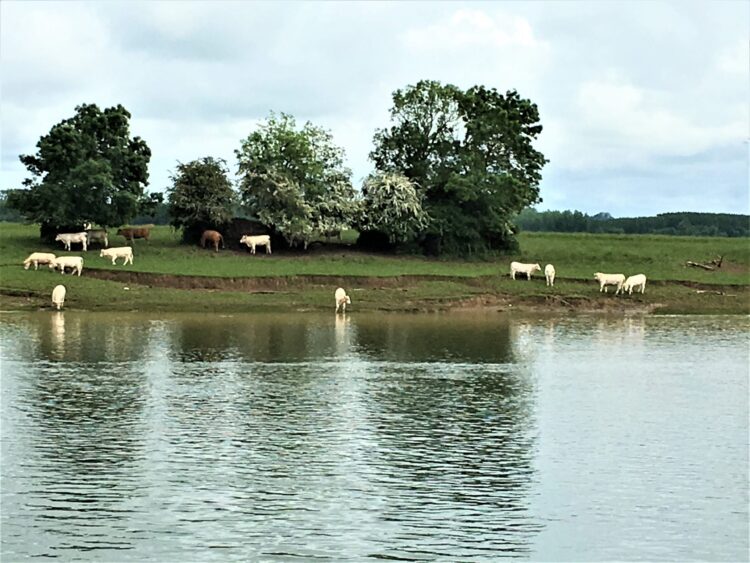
point(132, 233)
point(58, 296)
point(125, 252)
point(342, 300)
point(609, 279)
point(528, 269)
point(257, 240)
point(214, 237)
point(98, 235)
point(68, 238)
point(37, 258)
point(634, 282)
point(75, 263)
point(549, 274)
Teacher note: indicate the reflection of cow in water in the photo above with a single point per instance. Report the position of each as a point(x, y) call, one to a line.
point(214, 237)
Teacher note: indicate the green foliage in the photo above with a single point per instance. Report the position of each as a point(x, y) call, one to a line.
point(87, 168)
point(201, 197)
point(295, 180)
point(153, 211)
point(392, 205)
point(681, 224)
point(8, 214)
point(471, 152)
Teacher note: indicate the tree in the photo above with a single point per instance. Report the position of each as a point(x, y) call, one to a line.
point(6, 213)
point(294, 180)
point(391, 205)
point(201, 197)
point(471, 152)
point(86, 169)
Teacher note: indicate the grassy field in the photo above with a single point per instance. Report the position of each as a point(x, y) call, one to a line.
point(465, 282)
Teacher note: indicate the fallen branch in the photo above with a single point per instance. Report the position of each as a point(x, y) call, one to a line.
point(699, 265)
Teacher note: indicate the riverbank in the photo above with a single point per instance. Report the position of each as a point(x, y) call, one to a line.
point(108, 290)
point(170, 277)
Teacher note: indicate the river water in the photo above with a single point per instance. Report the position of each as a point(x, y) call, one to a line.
point(300, 437)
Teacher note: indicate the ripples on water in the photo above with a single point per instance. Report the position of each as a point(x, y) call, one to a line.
point(405, 437)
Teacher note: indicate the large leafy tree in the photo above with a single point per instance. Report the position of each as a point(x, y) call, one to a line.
point(294, 179)
point(472, 154)
point(87, 168)
point(201, 197)
point(391, 205)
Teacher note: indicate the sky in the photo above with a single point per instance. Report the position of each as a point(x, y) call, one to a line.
point(645, 105)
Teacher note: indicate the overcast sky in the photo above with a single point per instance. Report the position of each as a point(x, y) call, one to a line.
point(644, 104)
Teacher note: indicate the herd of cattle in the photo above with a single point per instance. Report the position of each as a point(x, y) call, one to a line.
point(214, 238)
point(85, 238)
point(622, 284)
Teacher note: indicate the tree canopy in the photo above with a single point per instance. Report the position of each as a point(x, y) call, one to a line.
point(391, 205)
point(294, 180)
point(201, 197)
point(87, 168)
point(471, 152)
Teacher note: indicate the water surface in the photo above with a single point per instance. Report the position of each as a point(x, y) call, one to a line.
point(436, 437)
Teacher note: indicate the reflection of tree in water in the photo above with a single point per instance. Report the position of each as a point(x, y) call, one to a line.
point(434, 337)
point(454, 444)
point(260, 338)
point(265, 412)
point(297, 415)
point(86, 390)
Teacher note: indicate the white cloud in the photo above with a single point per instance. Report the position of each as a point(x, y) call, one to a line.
point(736, 59)
point(472, 29)
point(615, 123)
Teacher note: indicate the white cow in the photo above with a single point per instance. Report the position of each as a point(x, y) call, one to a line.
point(68, 238)
point(634, 282)
point(528, 269)
point(37, 258)
point(257, 240)
point(75, 263)
point(549, 274)
point(125, 252)
point(58, 296)
point(609, 279)
point(342, 300)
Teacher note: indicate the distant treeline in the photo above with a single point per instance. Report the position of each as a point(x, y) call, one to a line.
point(680, 224)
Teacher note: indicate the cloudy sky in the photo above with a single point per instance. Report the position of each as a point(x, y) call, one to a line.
point(644, 104)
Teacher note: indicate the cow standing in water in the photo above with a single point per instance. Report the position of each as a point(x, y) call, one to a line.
point(214, 237)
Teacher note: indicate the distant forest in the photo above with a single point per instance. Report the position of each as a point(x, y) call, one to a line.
point(680, 224)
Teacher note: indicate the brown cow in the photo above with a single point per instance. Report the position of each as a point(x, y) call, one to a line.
point(214, 237)
point(132, 233)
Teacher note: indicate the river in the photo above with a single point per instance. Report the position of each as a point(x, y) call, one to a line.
point(299, 437)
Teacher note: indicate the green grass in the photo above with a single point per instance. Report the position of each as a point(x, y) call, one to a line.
point(575, 256)
point(659, 257)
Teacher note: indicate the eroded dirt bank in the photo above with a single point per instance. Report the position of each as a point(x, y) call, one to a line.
point(277, 283)
point(271, 283)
